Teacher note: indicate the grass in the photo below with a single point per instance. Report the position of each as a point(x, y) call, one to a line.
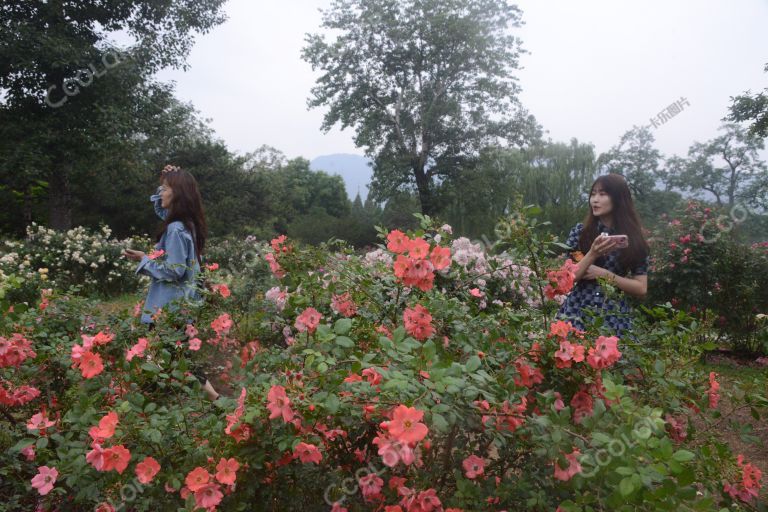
point(119, 303)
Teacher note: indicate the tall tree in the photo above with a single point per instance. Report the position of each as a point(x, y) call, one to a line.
point(426, 84)
point(728, 167)
point(751, 108)
point(635, 158)
point(69, 96)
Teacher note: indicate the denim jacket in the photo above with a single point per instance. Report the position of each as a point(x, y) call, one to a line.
point(174, 273)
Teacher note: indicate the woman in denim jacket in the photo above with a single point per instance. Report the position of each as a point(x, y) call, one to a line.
point(178, 203)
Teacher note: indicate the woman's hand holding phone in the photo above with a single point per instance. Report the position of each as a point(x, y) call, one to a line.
point(602, 245)
point(134, 255)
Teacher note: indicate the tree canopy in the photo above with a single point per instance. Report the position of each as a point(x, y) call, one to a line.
point(426, 85)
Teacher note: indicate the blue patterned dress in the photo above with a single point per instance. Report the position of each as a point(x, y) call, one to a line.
point(588, 294)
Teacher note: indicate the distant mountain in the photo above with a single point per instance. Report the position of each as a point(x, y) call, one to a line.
point(353, 169)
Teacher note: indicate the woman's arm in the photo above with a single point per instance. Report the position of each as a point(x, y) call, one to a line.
point(158, 203)
point(600, 247)
point(175, 264)
point(637, 285)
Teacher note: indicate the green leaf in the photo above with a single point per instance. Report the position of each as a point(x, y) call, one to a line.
point(323, 332)
point(683, 456)
point(42, 443)
point(429, 350)
point(342, 326)
point(626, 486)
point(398, 334)
point(439, 422)
point(21, 445)
point(345, 342)
point(332, 404)
point(150, 367)
point(386, 343)
point(473, 363)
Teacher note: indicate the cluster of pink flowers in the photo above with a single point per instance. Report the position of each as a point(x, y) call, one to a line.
point(505, 418)
point(222, 289)
point(107, 459)
point(207, 487)
point(222, 324)
point(15, 350)
point(39, 422)
point(243, 430)
point(517, 278)
point(307, 453)
point(280, 247)
point(21, 395)
point(147, 469)
point(676, 427)
point(308, 320)
point(605, 353)
point(573, 468)
point(527, 375)
point(85, 359)
point(748, 489)
point(471, 257)
point(561, 280)
point(137, 350)
point(582, 404)
point(415, 265)
point(400, 435)
point(418, 322)
point(344, 305)
point(369, 375)
point(278, 296)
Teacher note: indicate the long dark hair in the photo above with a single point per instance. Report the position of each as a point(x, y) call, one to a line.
point(625, 221)
point(186, 206)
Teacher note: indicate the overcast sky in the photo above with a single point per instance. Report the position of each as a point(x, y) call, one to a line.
point(595, 68)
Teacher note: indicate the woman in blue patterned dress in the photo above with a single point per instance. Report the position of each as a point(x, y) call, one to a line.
point(612, 211)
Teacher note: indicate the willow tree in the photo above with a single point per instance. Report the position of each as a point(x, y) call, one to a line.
point(425, 84)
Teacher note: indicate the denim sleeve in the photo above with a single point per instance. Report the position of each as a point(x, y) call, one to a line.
point(157, 200)
point(174, 263)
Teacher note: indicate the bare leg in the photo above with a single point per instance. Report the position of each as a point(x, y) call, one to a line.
point(211, 393)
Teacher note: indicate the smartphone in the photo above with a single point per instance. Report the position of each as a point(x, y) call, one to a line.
point(622, 241)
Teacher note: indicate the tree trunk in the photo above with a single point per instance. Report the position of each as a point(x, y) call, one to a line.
point(26, 207)
point(425, 193)
point(60, 200)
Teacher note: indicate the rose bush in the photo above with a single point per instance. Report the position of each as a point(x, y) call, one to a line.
point(699, 265)
point(90, 260)
point(426, 376)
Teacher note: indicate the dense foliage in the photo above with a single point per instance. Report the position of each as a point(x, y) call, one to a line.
point(425, 375)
